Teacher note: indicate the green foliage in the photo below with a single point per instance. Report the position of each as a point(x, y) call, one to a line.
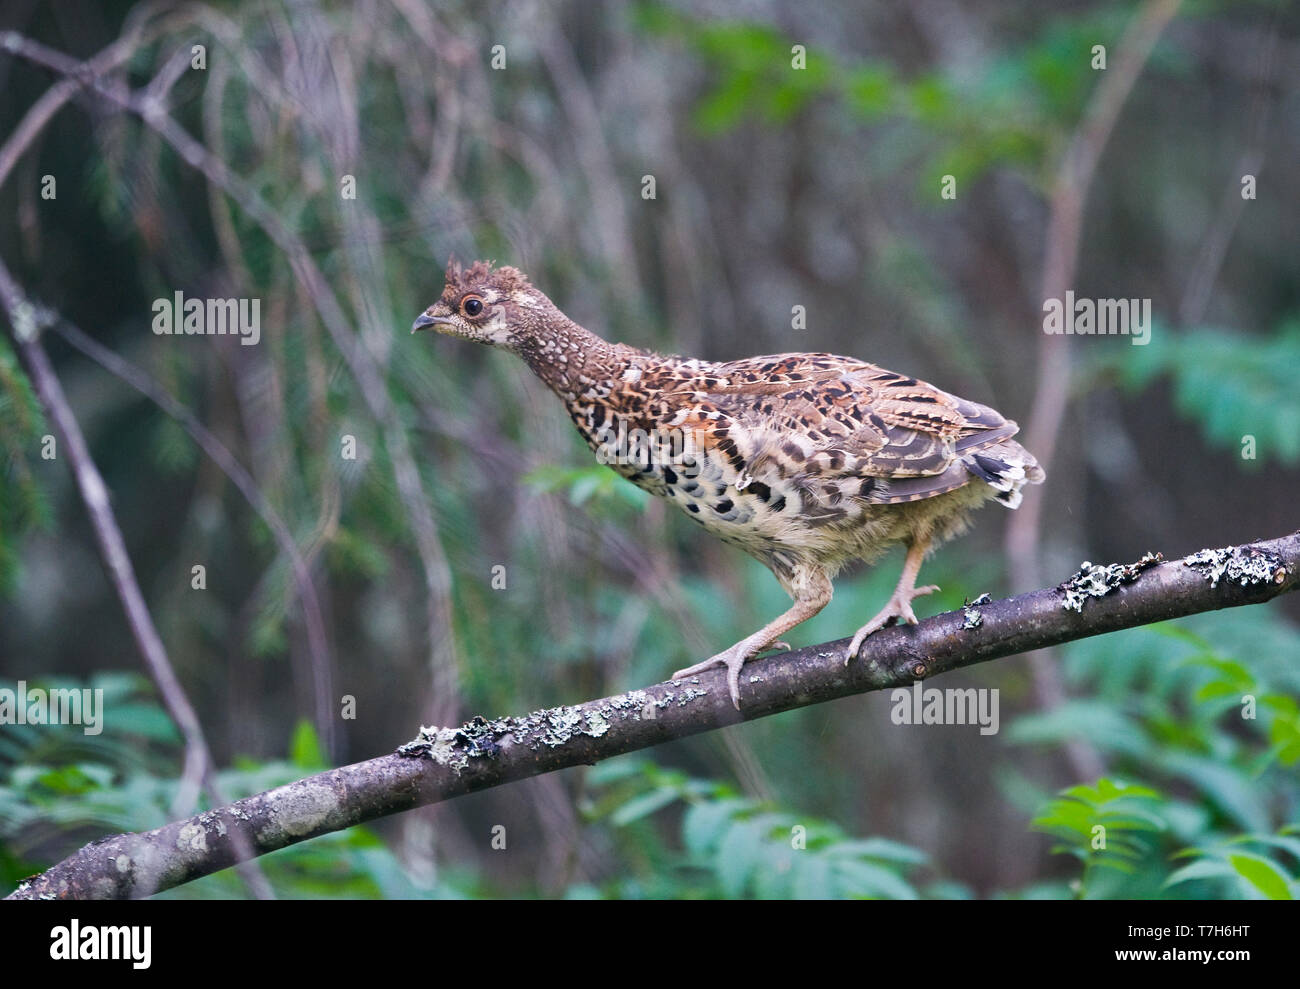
point(1181, 714)
point(173, 450)
point(755, 76)
point(1106, 826)
point(583, 484)
point(60, 788)
point(1252, 866)
point(1011, 115)
point(23, 504)
point(737, 847)
point(1232, 386)
point(305, 750)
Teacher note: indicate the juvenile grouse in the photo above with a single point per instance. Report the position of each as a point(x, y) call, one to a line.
point(805, 461)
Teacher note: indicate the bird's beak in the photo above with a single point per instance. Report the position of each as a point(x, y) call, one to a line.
point(424, 321)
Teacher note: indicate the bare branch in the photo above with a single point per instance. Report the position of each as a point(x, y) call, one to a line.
point(199, 770)
point(1060, 265)
point(449, 762)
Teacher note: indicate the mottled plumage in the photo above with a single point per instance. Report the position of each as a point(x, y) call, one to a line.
point(806, 461)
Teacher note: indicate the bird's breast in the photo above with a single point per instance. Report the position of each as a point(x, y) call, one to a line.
point(743, 487)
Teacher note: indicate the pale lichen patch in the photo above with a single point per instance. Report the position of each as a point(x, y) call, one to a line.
point(439, 745)
point(192, 837)
point(302, 808)
point(558, 725)
point(1245, 565)
point(104, 888)
point(972, 617)
point(549, 728)
point(1097, 581)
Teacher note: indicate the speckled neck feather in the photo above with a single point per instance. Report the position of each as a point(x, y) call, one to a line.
point(572, 361)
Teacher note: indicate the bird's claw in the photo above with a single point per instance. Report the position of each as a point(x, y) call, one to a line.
point(733, 659)
point(899, 606)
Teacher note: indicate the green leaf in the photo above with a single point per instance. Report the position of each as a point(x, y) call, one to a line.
point(1095, 720)
point(706, 822)
point(145, 720)
point(884, 849)
point(304, 747)
point(1207, 868)
point(1217, 688)
point(1262, 875)
point(814, 877)
point(738, 855)
point(615, 770)
point(1233, 384)
point(866, 879)
point(644, 805)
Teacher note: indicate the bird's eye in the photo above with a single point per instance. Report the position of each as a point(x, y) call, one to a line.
point(471, 305)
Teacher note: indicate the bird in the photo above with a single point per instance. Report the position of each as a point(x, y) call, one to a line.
point(806, 461)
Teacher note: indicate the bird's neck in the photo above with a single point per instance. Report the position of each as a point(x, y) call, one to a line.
point(572, 361)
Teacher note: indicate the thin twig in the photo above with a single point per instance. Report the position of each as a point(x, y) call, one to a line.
point(199, 771)
point(1214, 247)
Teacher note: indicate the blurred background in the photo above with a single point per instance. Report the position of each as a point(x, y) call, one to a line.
point(678, 176)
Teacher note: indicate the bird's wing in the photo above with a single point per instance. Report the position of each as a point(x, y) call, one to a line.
point(820, 413)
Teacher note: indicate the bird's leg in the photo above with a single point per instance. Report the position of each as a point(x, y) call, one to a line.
point(900, 603)
point(811, 595)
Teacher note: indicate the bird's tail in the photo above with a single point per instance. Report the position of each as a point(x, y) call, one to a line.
point(1006, 467)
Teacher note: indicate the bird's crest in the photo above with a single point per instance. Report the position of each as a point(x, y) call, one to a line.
point(479, 276)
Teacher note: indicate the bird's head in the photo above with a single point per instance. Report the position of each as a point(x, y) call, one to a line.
point(496, 306)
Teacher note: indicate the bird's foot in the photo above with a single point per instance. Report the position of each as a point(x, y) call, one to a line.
point(899, 606)
point(733, 659)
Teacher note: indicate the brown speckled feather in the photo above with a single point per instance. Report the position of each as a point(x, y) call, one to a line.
point(862, 420)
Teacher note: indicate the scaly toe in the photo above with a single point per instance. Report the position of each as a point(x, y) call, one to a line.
point(733, 659)
point(733, 681)
point(699, 668)
point(904, 605)
point(860, 636)
point(899, 607)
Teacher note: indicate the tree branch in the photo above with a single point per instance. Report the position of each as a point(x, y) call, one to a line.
point(199, 770)
point(450, 762)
